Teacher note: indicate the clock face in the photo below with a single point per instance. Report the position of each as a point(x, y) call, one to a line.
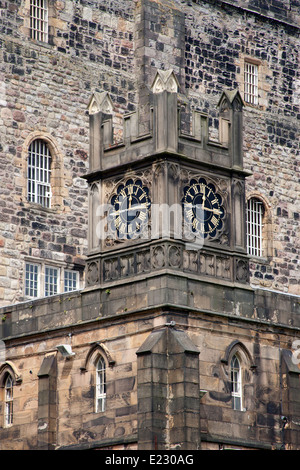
point(203, 210)
point(129, 209)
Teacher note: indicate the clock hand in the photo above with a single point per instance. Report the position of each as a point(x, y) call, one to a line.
point(215, 211)
point(134, 207)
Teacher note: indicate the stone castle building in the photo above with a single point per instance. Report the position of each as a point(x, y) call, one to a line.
point(149, 224)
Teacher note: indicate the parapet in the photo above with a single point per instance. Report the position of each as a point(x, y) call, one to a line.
point(167, 134)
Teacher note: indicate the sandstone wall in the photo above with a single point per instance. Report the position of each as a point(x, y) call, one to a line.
point(45, 90)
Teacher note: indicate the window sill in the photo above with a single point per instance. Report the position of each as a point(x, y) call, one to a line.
point(39, 207)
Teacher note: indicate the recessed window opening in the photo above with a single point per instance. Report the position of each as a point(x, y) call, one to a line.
point(39, 20)
point(51, 280)
point(70, 281)
point(236, 383)
point(8, 399)
point(255, 212)
point(39, 173)
point(31, 280)
point(251, 83)
point(100, 385)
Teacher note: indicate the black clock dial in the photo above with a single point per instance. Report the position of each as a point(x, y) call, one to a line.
point(128, 214)
point(202, 206)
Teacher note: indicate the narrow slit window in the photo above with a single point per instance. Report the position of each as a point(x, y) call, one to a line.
point(236, 383)
point(255, 212)
point(251, 83)
point(100, 385)
point(39, 20)
point(39, 173)
point(8, 411)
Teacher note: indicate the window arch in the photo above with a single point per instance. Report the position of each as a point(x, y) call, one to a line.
point(9, 378)
point(239, 369)
point(98, 363)
point(43, 171)
point(100, 394)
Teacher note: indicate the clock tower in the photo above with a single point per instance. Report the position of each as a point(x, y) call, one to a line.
point(166, 243)
point(167, 202)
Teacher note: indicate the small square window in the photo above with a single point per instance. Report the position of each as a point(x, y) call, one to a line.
point(70, 281)
point(251, 83)
point(51, 281)
point(31, 280)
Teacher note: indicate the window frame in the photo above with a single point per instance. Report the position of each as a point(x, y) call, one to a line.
point(49, 286)
point(100, 386)
point(75, 274)
point(39, 20)
point(251, 82)
point(35, 265)
point(236, 383)
point(255, 212)
point(8, 401)
point(39, 169)
point(42, 289)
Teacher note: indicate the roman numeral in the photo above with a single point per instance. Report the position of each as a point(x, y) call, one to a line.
point(214, 220)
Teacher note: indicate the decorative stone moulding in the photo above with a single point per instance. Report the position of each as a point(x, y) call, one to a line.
point(170, 256)
point(165, 81)
point(100, 102)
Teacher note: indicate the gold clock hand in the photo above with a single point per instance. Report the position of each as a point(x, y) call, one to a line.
point(215, 211)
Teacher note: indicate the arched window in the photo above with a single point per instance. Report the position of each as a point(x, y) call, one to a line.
point(39, 173)
point(100, 385)
point(255, 215)
point(8, 401)
point(236, 383)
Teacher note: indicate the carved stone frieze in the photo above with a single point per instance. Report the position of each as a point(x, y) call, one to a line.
point(175, 256)
point(92, 273)
point(203, 263)
point(158, 256)
point(242, 270)
point(208, 264)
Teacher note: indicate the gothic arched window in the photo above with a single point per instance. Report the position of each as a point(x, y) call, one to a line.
point(236, 383)
point(8, 401)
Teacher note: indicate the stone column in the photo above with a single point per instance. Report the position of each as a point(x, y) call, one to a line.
point(168, 392)
point(47, 413)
